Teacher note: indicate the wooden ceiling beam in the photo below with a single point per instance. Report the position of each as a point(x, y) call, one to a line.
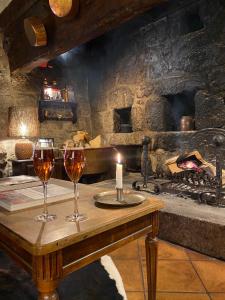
point(94, 19)
point(13, 11)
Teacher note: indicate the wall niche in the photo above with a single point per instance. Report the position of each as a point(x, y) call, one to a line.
point(180, 104)
point(122, 120)
point(192, 21)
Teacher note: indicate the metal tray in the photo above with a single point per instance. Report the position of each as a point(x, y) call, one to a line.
point(109, 198)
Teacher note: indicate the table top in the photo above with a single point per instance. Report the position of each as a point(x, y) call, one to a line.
point(41, 238)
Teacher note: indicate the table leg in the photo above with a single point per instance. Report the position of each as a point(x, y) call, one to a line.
point(151, 246)
point(47, 270)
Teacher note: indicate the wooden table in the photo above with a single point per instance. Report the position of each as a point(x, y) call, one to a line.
point(50, 251)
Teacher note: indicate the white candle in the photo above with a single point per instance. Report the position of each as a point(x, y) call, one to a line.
point(119, 173)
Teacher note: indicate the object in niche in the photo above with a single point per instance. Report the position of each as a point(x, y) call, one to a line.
point(51, 92)
point(186, 123)
point(56, 94)
point(65, 94)
point(46, 90)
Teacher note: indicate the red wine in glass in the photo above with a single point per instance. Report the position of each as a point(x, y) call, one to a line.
point(74, 163)
point(43, 160)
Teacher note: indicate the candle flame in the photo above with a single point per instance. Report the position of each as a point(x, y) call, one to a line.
point(118, 158)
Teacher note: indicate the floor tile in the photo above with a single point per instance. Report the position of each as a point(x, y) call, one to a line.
point(212, 273)
point(193, 255)
point(130, 272)
point(135, 296)
point(176, 276)
point(219, 296)
point(170, 251)
point(181, 296)
point(166, 251)
point(128, 251)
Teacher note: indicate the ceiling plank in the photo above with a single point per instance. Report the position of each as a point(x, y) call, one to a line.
point(95, 18)
point(13, 11)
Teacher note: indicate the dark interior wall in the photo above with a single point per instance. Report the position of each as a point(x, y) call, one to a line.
point(173, 49)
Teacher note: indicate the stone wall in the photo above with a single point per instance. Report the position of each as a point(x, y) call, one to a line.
point(24, 90)
point(177, 48)
point(16, 90)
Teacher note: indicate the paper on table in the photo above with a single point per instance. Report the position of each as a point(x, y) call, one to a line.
point(17, 180)
point(37, 192)
point(29, 197)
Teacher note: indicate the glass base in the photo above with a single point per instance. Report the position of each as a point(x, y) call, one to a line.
point(76, 218)
point(45, 218)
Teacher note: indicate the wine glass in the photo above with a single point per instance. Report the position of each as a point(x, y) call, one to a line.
point(74, 163)
point(43, 160)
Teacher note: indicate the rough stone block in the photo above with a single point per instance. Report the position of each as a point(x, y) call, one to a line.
point(157, 114)
point(209, 110)
point(121, 97)
point(137, 117)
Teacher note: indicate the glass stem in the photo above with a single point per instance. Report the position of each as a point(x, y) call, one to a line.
point(45, 198)
point(76, 195)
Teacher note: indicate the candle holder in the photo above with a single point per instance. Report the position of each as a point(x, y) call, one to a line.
point(119, 195)
point(119, 198)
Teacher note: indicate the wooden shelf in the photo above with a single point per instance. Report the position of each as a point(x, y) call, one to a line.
point(57, 110)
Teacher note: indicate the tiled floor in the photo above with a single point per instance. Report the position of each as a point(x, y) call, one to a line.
point(182, 274)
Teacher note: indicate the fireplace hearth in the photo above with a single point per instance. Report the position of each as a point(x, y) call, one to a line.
point(189, 175)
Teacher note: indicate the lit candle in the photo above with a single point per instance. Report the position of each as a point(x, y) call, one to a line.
point(119, 173)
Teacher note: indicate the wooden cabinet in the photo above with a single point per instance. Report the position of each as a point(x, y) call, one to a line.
point(57, 110)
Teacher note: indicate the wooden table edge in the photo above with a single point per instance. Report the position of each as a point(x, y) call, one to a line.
point(36, 250)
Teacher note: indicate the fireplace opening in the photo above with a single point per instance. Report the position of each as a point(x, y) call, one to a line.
point(122, 120)
point(180, 105)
